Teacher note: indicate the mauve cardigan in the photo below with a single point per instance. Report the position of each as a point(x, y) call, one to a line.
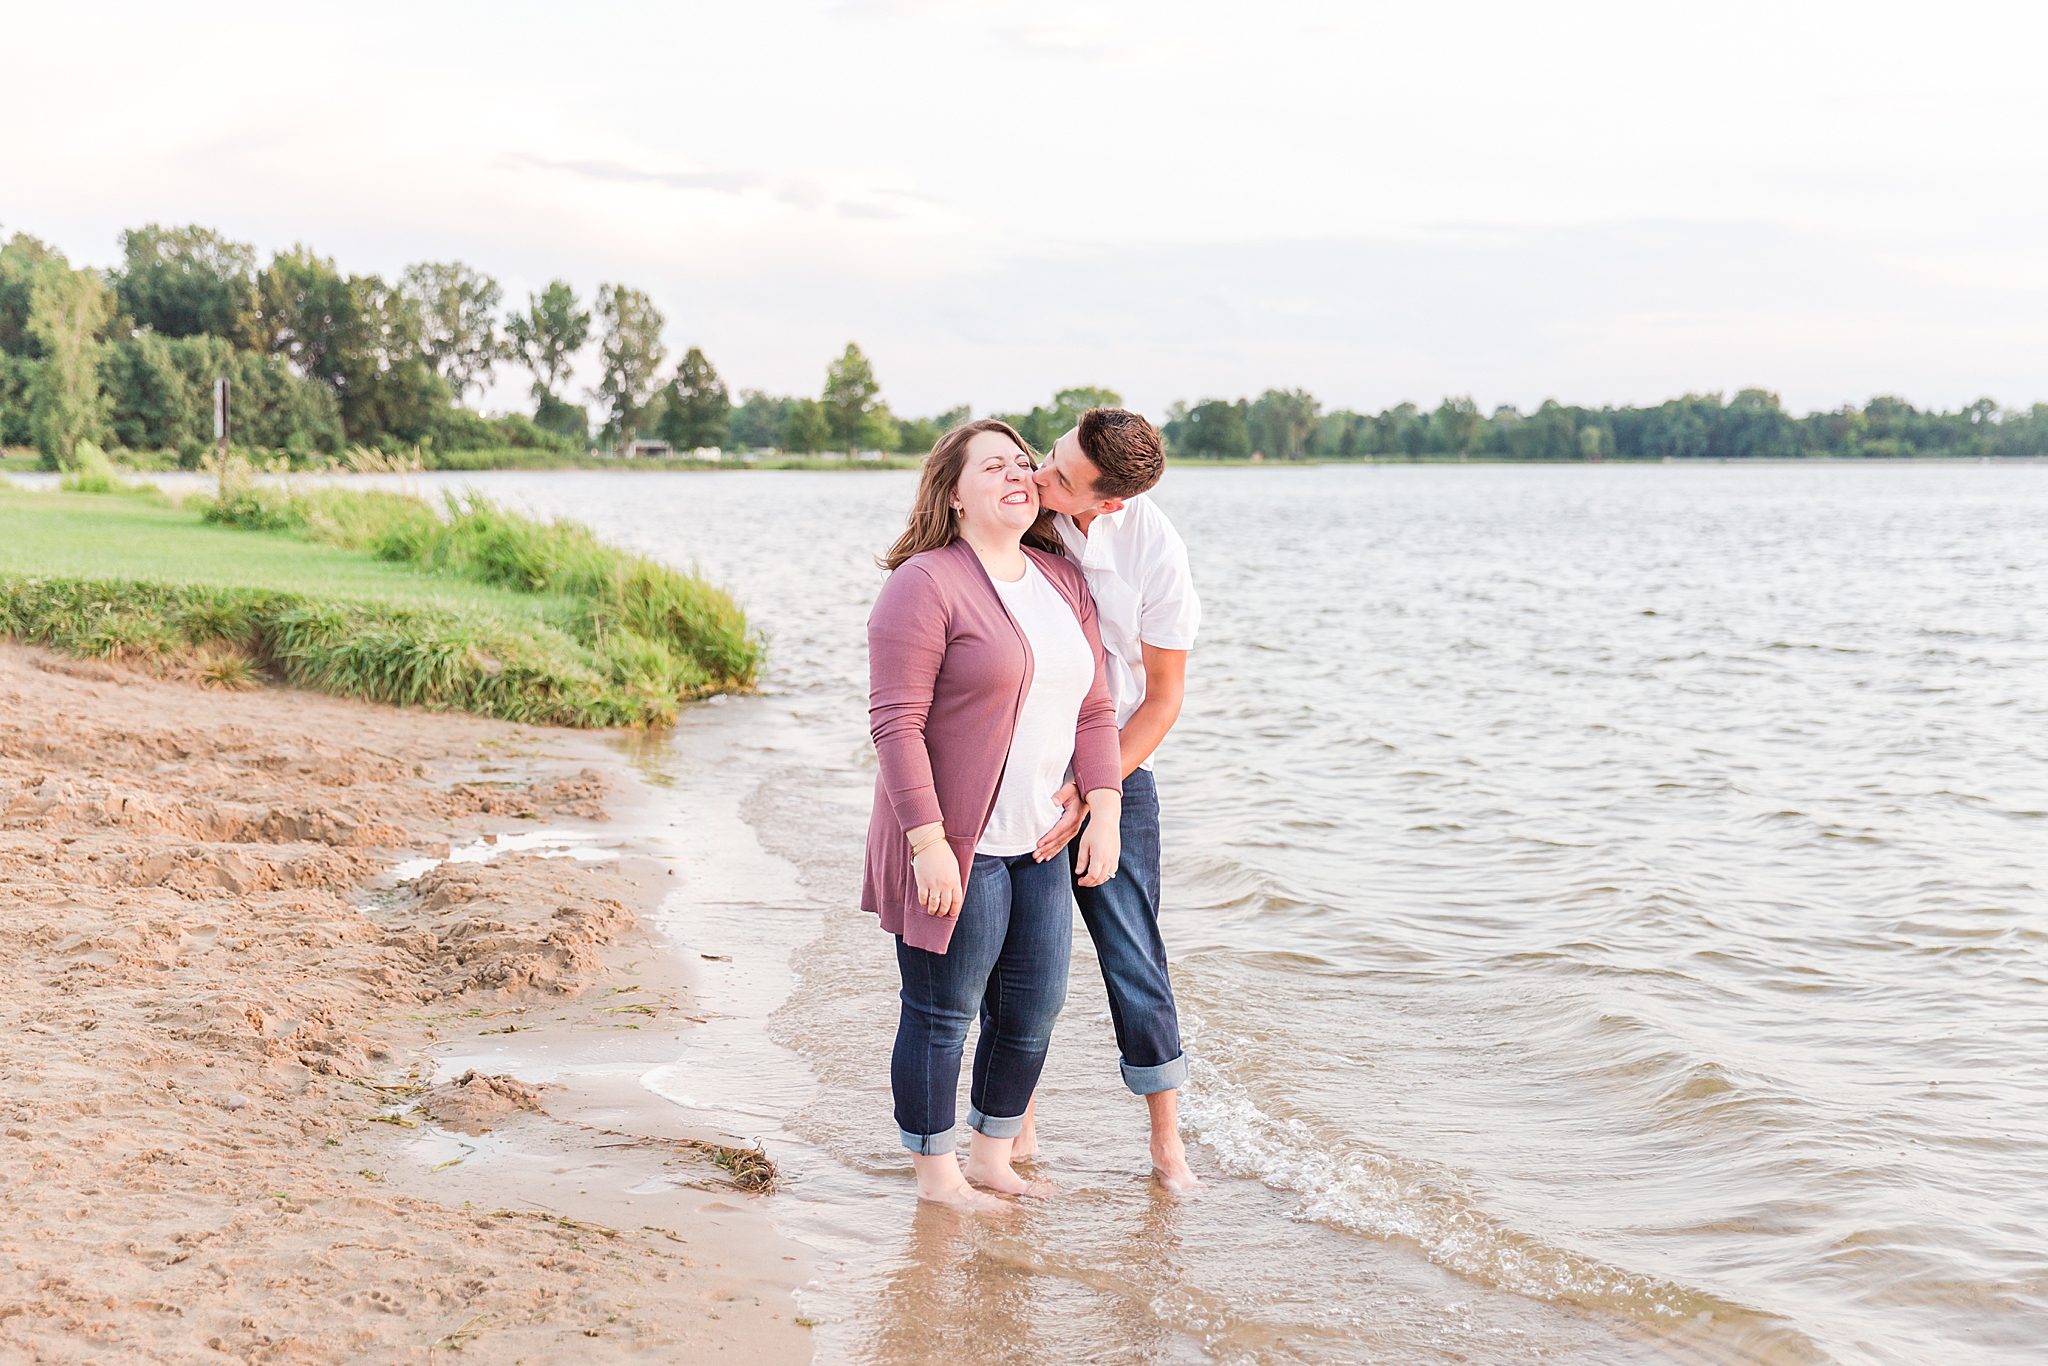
point(948, 669)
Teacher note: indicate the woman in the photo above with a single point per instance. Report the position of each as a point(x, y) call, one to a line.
point(986, 683)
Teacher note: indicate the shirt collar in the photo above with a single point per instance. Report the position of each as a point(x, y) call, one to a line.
point(1115, 521)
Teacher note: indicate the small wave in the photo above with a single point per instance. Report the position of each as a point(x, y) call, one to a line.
point(1370, 1193)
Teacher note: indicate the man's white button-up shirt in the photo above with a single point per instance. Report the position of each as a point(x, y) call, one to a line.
point(1137, 568)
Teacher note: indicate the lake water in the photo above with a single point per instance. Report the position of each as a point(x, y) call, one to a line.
point(1607, 906)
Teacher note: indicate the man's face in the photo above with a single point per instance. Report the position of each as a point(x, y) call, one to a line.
point(1066, 481)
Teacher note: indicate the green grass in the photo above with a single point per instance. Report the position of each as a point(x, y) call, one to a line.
point(372, 595)
point(83, 536)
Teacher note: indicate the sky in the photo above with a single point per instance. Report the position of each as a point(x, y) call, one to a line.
point(1600, 203)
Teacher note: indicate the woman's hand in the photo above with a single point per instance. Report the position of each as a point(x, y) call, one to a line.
point(938, 871)
point(1101, 845)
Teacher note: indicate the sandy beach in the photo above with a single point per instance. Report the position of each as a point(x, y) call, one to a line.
point(213, 1070)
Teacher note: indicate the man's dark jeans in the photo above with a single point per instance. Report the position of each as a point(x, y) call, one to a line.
point(1007, 959)
point(1122, 916)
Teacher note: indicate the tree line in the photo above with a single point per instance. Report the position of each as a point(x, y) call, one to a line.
point(319, 360)
point(1289, 424)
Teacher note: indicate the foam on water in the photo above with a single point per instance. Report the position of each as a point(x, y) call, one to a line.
point(1350, 1187)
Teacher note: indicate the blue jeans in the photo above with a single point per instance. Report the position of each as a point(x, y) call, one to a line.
point(1122, 916)
point(1007, 960)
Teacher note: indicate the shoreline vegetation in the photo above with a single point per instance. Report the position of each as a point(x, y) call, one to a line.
point(321, 364)
point(366, 594)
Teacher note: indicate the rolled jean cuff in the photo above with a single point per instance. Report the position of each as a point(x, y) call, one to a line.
point(1170, 1075)
point(990, 1127)
point(929, 1145)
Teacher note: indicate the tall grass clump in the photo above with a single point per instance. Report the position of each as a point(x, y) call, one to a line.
point(95, 474)
point(629, 602)
point(523, 670)
point(651, 633)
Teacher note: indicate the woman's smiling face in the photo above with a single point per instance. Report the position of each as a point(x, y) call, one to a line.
point(996, 495)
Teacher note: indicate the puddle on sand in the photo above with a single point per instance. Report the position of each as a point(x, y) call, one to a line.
point(546, 843)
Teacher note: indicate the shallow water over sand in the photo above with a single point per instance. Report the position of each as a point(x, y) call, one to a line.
point(1607, 906)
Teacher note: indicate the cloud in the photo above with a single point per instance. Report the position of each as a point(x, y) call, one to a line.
point(800, 194)
point(880, 212)
point(1089, 42)
point(878, 205)
point(720, 181)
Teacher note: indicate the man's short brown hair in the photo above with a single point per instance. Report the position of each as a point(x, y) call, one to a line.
point(1127, 451)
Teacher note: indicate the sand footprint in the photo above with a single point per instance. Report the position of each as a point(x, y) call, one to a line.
point(374, 1299)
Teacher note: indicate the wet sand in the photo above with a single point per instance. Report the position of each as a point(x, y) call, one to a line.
point(226, 1045)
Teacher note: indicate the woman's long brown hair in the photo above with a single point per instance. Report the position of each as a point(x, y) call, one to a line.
point(933, 523)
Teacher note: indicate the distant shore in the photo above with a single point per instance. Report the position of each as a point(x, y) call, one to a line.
point(24, 472)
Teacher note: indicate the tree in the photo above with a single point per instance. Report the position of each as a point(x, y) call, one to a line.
point(388, 388)
point(309, 315)
point(360, 337)
point(757, 421)
point(188, 282)
point(805, 427)
point(1549, 433)
point(1456, 421)
point(1282, 420)
point(21, 262)
point(458, 311)
point(1754, 424)
point(1214, 427)
point(544, 338)
point(849, 401)
point(547, 335)
point(920, 434)
point(630, 352)
point(1042, 426)
point(67, 309)
point(160, 396)
point(696, 409)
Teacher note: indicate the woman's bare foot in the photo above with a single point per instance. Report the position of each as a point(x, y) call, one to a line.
point(988, 1164)
point(939, 1182)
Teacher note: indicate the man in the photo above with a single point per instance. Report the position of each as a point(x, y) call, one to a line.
point(1137, 567)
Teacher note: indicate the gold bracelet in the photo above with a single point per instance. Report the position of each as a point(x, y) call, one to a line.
point(917, 849)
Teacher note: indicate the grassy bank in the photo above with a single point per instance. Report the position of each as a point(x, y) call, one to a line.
point(371, 595)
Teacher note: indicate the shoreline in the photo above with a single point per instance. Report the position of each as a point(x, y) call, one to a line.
point(232, 1024)
point(178, 484)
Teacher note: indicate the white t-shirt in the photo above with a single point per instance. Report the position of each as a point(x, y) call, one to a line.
point(1137, 568)
point(1062, 670)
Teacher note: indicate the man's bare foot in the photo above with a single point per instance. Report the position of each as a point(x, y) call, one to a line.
point(1176, 1176)
point(1169, 1155)
point(939, 1182)
point(1024, 1146)
point(988, 1164)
